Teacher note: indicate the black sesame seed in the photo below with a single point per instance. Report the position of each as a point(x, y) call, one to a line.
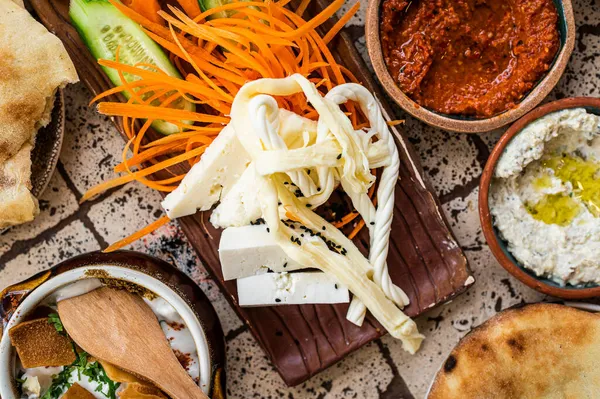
point(335, 285)
point(339, 156)
point(285, 265)
point(286, 183)
point(308, 205)
point(323, 228)
point(268, 230)
point(277, 300)
point(372, 223)
point(308, 172)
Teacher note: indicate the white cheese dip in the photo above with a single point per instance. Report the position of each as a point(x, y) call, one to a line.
point(36, 381)
point(545, 197)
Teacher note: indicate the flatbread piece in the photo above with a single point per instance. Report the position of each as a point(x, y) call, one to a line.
point(536, 351)
point(33, 65)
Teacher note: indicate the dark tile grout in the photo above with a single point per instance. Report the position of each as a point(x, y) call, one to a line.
point(85, 219)
point(23, 246)
point(397, 388)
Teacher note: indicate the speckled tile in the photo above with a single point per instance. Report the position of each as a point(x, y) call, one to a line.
point(382, 369)
point(56, 203)
point(495, 290)
point(134, 206)
point(73, 239)
point(363, 374)
point(92, 145)
point(463, 216)
point(126, 211)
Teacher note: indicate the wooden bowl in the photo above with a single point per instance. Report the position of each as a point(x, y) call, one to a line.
point(496, 244)
point(566, 26)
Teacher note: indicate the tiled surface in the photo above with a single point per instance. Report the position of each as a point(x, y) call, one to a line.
point(452, 161)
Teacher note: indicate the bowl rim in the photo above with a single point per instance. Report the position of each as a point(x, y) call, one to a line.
point(484, 210)
point(40, 183)
point(531, 100)
point(7, 352)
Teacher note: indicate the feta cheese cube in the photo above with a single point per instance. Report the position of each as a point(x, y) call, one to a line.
point(250, 250)
point(220, 167)
point(290, 289)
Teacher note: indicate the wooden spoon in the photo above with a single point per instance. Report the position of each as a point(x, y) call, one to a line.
point(120, 328)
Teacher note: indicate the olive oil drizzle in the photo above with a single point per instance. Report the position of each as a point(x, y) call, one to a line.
point(561, 209)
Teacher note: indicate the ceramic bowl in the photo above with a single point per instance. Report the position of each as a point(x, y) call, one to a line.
point(48, 143)
point(566, 26)
point(153, 274)
point(499, 246)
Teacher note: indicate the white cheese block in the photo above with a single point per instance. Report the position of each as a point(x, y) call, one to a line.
point(220, 167)
point(241, 205)
point(290, 289)
point(250, 250)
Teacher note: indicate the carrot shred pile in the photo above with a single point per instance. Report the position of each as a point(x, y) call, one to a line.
point(216, 57)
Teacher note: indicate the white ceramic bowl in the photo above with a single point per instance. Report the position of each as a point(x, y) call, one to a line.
point(141, 278)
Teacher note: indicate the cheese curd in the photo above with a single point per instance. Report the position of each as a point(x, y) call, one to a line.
point(294, 165)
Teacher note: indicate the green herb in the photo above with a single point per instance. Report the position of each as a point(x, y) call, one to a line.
point(80, 361)
point(60, 383)
point(94, 371)
point(20, 381)
point(54, 319)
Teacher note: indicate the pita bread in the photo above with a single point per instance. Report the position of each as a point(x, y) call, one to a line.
point(537, 351)
point(33, 65)
point(17, 204)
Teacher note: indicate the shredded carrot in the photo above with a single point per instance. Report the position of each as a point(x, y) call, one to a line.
point(191, 7)
point(353, 215)
point(216, 57)
point(147, 8)
point(144, 111)
point(396, 122)
point(137, 235)
point(356, 229)
point(119, 181)
point(302, 7)
point(341, 23)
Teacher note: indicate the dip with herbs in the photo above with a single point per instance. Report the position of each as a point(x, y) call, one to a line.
point(468, 57)
point(49, 365)
point(545, 197)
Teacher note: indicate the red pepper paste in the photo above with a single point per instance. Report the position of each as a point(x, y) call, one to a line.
point(468, 57)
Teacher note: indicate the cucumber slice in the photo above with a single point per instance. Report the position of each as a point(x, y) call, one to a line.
point(103, 28)
point(208, 4)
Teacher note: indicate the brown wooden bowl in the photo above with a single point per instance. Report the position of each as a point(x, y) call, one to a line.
point(462, 124)
point(48, 143)
point(494, 241)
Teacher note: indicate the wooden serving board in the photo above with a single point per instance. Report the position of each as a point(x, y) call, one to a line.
point(425, 258)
